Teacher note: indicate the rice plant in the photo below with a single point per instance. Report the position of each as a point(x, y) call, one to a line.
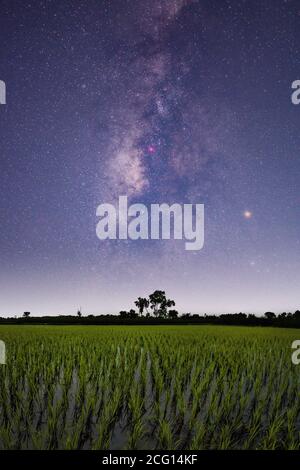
point(151, 387)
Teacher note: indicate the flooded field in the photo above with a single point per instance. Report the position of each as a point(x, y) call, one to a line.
point(149, 387)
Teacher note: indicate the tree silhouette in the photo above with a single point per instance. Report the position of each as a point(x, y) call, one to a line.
point(123, 314)
point(132, 313)
point(160, 304)
point(270, 315)
point(26, 314)
point(296, 315)
point(173, 314)
point(142, 304)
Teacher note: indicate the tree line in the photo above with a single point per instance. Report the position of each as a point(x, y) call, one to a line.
point(157, 308)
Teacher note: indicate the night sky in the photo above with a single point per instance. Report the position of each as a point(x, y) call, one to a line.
point(163, 101)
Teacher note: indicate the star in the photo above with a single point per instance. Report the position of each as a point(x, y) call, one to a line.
point(248, 214)
point(151, 149)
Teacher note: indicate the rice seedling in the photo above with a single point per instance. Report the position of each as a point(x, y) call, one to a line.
point(151, 387)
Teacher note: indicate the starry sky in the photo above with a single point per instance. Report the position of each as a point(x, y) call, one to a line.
point(185, 101)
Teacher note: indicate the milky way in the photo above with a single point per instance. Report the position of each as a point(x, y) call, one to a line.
point(160, 133)
point(183, 101)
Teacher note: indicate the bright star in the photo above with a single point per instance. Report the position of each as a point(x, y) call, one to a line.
point(151, 149)
point(247, 214)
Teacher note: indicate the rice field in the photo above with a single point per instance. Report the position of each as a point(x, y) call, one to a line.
point(160, 387)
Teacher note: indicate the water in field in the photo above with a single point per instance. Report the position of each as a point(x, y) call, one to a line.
point(149, 387)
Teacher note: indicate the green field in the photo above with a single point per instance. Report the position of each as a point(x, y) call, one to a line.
point(152, 387)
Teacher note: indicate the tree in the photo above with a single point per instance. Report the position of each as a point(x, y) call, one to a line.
point(79, 314)
point(142, 304)
point(297, 315)
point(173, 314)
point(156, 300)
point(160, 304)
point(283, 315)
point(123, 314)
point(132, 314)
point(186, 315)
point(164, 307)
point(26, 314)
point(270, 315)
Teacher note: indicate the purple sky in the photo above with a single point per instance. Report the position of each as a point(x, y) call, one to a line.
point(163, 101)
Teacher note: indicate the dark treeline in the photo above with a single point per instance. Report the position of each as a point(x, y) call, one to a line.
point(287, 320)
point(157, 309)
